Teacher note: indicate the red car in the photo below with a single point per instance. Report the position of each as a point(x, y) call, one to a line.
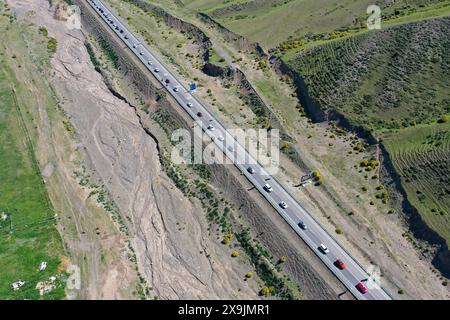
point(361, 288)
point(340, 264)
point(167, 81)
point(199, 114)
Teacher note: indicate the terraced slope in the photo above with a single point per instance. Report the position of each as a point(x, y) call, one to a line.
point(395, 84)
point(389, 79)
point(421, 156)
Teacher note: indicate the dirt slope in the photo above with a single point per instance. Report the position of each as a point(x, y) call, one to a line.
point(125, 159)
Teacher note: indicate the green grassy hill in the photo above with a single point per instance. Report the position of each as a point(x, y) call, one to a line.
point(394, 83)
point(389, 79)
point(271, 22)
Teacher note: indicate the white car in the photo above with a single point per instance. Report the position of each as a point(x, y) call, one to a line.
point(126, 37)
point(156, 70)
point(150, 63)
point(176, 89)
point(323, 248)
point(268, 187)
point(221, 138)
point(211, 127)
point(283, 205)
point(189, 105)
point(141, 53)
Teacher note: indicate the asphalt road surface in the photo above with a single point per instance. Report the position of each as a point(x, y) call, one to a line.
point(314, 235)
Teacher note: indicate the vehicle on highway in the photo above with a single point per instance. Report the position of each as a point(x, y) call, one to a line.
point(361, 288)
point(167, 81)
point(189, 105)
point(283, 205)
point(323, 248)
point(126, 37)
point(141, 53)
point(176, 89)
point(150, 63)
point(220, 138)
point(211, 127)
point(135, 45)
point(156, 70)
point(251, 170)
point(268, 187)
point(340, 264)
point(231, 149)
point(302, 225)
point(199, 114)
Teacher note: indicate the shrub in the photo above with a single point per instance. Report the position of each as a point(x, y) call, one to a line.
point(51, 45)
point(265, 291)
point(317, 177)
point(43, 31)
point(282, 259)
point(235, 254)
point(249, 275)
point(445, 118)
point(359, 147)
point(284, 146)
point(227, 238)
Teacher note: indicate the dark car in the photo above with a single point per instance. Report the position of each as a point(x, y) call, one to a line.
point(302, 225)
point(199, 114)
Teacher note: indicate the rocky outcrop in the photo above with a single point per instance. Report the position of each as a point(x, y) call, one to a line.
point(213, 70)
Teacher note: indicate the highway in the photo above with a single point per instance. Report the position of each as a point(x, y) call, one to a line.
point(314, 235)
